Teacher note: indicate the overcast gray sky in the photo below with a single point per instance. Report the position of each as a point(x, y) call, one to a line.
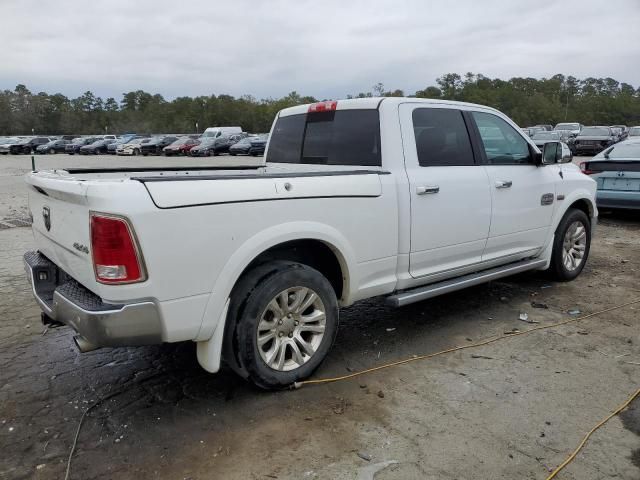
point(325, 48)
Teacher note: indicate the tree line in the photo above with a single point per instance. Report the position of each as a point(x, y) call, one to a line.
point(528, 101)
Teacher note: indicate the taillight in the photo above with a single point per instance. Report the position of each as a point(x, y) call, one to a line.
point(584, 168)
point(327, 106)
point(116, 258)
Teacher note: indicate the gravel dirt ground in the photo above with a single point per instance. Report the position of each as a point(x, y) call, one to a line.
point(510, 410)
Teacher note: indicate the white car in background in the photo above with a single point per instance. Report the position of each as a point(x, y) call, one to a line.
point(6, 142)
point(131, 148)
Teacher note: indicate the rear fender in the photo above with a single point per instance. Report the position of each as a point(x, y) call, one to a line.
point(213, 322)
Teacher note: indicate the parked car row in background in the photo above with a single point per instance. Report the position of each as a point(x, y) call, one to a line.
point(214, 141)
point(232, 140)
point(588, 140)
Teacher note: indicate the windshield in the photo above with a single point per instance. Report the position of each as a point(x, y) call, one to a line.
point(595, 132)
point(567, 126)
point(634, 132)
point(546, 136)
point(629, 151)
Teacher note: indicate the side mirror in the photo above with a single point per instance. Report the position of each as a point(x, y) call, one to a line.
point(552, 153)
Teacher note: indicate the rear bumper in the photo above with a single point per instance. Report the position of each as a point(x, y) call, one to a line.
point(618, 199)
point(104, 325)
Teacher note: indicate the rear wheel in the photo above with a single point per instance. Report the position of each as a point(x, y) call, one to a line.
point(571, 245)
point(284, 322)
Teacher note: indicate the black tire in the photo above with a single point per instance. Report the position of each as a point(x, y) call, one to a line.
point(232, 154)
point(52, 151)
point(249, 300)
point(557, 267)
point(135, 152)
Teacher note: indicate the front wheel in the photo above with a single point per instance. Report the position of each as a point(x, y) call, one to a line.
point(571, 245)
point(285, 323)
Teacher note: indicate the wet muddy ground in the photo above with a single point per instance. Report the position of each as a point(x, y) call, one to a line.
point(512, 409)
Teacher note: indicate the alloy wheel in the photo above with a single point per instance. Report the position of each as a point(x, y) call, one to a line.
point(574, 246)
point(291, 328)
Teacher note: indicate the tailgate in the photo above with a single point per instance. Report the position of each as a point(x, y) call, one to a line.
point(61, 223)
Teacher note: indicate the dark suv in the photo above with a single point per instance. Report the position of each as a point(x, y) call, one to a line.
point(592, 140)
point(156, 144)
point(28, 145)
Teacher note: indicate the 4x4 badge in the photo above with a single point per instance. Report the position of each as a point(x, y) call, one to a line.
point(46, 216)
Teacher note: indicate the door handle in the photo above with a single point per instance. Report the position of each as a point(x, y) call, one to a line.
point(427, 189)
point(504, 183)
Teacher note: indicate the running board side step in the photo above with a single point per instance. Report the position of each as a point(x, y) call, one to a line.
point(433, 290)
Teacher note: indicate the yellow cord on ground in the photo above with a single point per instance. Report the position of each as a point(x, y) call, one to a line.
point(463, 347)
point(586, 437)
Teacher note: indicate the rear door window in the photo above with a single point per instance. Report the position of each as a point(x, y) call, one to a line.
point(342, 137)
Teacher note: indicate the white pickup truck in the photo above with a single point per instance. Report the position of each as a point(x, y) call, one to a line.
point(398, 197)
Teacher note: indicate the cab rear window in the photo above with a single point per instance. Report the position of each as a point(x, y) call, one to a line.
point(342, 137)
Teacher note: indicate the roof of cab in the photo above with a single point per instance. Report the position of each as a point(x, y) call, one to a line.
point(375, 102)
